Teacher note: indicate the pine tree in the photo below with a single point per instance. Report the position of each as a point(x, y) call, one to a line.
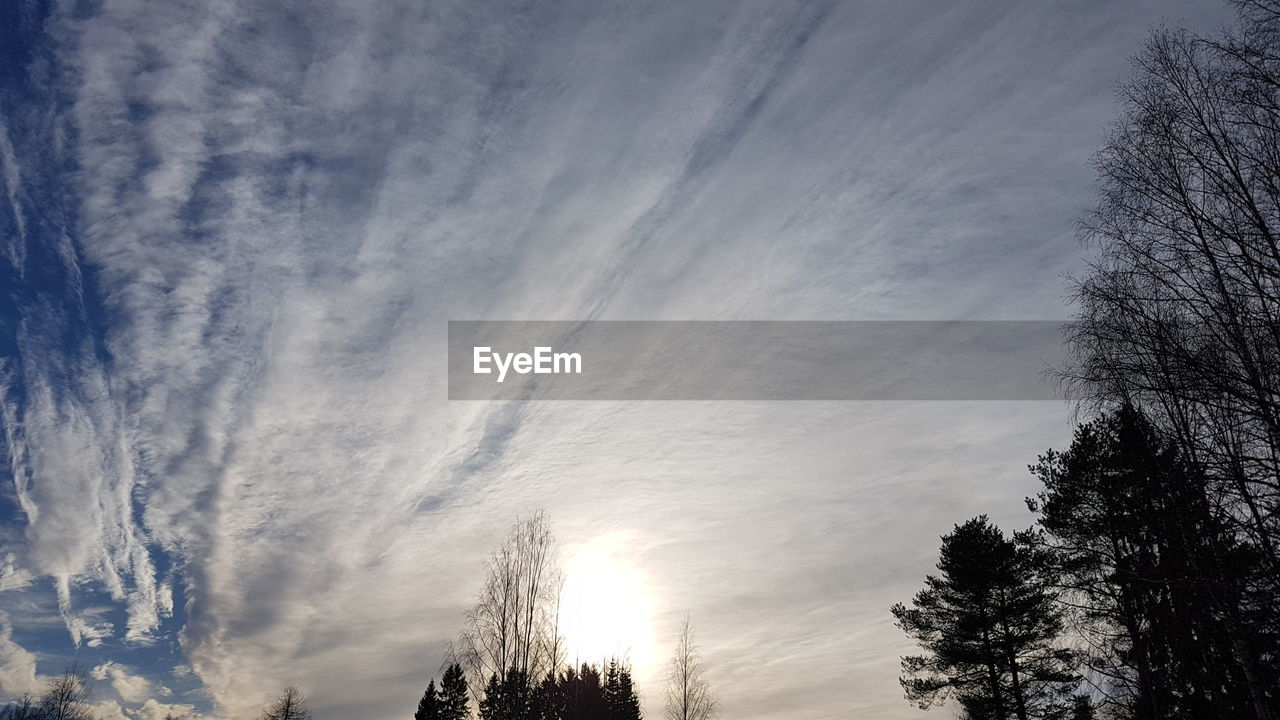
point(429, 707)
point(988, 624)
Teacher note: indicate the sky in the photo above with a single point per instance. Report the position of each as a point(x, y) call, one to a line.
point(232, 234)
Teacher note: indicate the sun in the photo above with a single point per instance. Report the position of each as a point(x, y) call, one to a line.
point(606, 609)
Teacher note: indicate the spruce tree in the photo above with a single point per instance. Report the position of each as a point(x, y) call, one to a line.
point(508, 698)
point(544, 702)
point(493, 705)
point(582, 694)
point(1150, 574)
point(453, 694)
point(612, 689)
point(629, 704)
point(429, 707)
point(620, 699)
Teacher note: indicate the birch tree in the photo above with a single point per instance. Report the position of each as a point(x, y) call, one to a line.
point(513, 624)
point(689, 695)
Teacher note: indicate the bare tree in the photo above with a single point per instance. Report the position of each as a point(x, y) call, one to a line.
point(66, 698)
point(1180, 313)
point(289, 705)
point(689, 695)
point(513, 624)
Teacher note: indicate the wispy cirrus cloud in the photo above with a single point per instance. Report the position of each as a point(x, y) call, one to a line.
point(240, 232)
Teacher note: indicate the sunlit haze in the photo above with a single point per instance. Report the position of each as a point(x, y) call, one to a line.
point(233, 234)
point(607, 608)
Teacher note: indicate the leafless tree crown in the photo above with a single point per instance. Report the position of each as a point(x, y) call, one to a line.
point(1180, 313)
point(289, 705)
point(688, 694)
point(513, 624)
point(66, 698)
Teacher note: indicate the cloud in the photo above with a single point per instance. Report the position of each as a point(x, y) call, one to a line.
point(153, 710)
point(132, 689)
point(108, 710)
point(226, 417)
point(17, 664)
point(13, 576)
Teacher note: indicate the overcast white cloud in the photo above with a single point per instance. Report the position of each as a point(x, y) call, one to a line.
point(239, 229)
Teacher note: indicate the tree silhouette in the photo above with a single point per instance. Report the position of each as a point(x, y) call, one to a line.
point(289, 705)
point(513, 622)
point(545, 702)
point(581, 694)
point(620, 699)
point(989, 626)
point(509, 698)
point(1179, 314)
point(453, 694)
point(66, 697)
point(1144, 566)
point(429, 707)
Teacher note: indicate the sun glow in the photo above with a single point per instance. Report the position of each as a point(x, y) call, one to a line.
point(606, 609)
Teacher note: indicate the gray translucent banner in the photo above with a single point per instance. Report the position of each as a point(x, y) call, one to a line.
point(753, 360)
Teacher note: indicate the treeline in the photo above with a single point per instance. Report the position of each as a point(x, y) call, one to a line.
point(508, 663)
point(67, 697)
point(509, 660)
point(583, 693)
point(1148, 586)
